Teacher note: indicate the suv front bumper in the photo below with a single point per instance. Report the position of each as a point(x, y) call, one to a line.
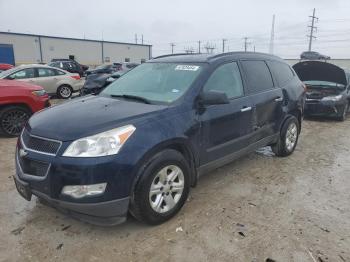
point(107, 213)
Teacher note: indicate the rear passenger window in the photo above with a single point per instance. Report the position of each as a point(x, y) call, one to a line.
point(258, 76)
point(281, 71)
point(226, 79)
point(45, 72)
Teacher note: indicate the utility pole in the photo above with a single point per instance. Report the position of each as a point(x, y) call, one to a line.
point(199, 47)
point(223, 44)
point(312, 28)
point(172, 47)
point(246, 43)
point(272, 38)
point(142, 38)
point(254, 49)
point(135, 38)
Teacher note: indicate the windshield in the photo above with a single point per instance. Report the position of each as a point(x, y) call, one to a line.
point(325, 84)
point(157, 82)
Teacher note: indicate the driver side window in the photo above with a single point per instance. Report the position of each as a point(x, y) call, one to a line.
point(23, 74)
point(226, 79)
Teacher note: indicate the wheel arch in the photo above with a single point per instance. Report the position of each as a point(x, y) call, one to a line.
point(24, 105)
point(297, 114)
point(180, 145)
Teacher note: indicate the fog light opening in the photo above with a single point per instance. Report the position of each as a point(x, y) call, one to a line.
point(80, 191)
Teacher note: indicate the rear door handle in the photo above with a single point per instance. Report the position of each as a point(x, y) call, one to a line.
point(279, 99)
point(245, 109)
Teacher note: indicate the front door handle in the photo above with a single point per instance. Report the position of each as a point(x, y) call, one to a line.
point(245, 109)
point(279, 99)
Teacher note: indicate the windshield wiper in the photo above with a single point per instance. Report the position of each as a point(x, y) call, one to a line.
point(138, 98)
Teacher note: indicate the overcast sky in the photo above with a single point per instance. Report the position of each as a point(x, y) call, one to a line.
point(184, 22)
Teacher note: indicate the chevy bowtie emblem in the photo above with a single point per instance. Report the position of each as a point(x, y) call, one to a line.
point(22, 153)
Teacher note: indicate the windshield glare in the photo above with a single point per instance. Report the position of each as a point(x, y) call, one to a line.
point(323, 84)
point(157, 82)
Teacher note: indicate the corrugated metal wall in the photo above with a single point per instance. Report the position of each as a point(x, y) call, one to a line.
point(34, 49)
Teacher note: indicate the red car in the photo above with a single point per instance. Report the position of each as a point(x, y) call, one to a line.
point(4, 67)
point(18, 101)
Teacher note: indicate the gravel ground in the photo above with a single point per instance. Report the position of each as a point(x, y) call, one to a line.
point(259, 207)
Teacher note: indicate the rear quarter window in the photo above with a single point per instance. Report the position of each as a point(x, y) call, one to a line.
point(281, 72)
point(258, 76)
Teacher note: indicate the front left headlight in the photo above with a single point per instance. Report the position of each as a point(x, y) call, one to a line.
point(332, 98)
point(39, 92)
point(102, 144)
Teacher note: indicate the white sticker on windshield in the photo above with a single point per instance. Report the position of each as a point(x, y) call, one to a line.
point(187, 67)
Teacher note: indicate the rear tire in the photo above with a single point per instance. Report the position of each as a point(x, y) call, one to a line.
point(162, 189)
point(13, 119)
point(288, 138)
point(64, 91)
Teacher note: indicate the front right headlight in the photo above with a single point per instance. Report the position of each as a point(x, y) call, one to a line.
point(102, 144)
point(332, 98)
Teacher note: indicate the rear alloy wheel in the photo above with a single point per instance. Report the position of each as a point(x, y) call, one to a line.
point(13, 119)
point(288, 139)
point(64, 91)
point(162, 189)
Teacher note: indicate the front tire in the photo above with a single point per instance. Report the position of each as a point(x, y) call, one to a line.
point(162, 189)
point(64, 91)
point(288, 138)
point(13, 119)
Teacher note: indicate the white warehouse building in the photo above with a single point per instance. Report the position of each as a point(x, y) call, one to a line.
point(18, 48)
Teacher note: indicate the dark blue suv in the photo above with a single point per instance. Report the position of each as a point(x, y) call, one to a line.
point(143, 142)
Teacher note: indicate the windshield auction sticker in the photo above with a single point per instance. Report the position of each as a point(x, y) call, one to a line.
point(187, 67)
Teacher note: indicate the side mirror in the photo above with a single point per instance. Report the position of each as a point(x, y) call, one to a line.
point(213, 98)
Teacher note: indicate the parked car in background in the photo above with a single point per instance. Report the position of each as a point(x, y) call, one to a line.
point(125, 66)
point(69, 65)
point(4, 67)
point(328, 89)
point(95, 83)
point(103, 69)
point(55, 81)
point(142, 142)
point(311, 55)
point(18, 101)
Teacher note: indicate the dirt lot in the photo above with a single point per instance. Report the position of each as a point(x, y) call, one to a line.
point(259, 207)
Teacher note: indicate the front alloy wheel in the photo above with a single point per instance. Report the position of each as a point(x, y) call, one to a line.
point(166, 189)
point(162, 189)
point(12, 120)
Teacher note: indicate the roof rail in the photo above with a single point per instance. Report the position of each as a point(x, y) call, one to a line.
point(178, 54)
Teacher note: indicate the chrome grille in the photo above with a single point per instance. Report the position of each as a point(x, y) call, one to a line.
point(39, 144)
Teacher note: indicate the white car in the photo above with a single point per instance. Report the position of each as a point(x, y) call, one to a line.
point(55, 81)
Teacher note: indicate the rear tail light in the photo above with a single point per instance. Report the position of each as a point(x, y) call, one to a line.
point(76, 77)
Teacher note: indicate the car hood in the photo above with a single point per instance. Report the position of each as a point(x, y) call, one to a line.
point(4, 83)
point(321, 71)
point(87, 116)
point(96, 80)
